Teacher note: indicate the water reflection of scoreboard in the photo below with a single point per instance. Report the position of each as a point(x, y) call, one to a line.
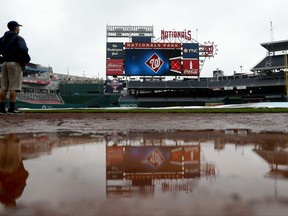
point(156, 162)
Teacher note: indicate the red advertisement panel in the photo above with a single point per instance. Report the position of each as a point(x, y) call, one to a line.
point(114, 67)
point(191, 67)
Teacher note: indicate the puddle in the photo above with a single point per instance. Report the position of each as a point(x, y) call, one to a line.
point(209, 172)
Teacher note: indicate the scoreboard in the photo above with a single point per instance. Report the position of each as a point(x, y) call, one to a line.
point(152, 59)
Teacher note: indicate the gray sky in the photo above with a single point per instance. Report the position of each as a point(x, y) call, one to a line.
point(70, 35)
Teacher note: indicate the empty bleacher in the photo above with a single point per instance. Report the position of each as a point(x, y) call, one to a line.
point(39, 97)
point(134, 84)
point(270, 63)
point(198, 84)
point(154, 85)
point(178, 84)
point(241, 82)
point(274, 81)
point(220, 83)
point(202, 84)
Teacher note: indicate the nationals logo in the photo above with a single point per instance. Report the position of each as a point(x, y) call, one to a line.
point(154, 62)
point(155, 158)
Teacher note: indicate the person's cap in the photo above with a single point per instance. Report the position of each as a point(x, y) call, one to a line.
point(12, 24)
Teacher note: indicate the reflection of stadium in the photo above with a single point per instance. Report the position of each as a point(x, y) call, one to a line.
point(36, 145)
point(277, 158)
point(137, 163)
point(276, 155)
point(144, 163)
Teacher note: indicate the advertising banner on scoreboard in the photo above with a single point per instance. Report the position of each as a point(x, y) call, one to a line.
point(190, 59)
point(151, 62)
point(190, 50)
point(114, 67)
point(115, 50)
point(191, 67)
point(131, 45)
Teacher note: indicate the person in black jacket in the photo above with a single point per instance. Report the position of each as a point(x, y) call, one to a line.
point(14, 57)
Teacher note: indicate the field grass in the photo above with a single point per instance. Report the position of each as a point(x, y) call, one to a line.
point(162, 110)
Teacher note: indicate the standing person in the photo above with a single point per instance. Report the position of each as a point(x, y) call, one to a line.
point(14, 56)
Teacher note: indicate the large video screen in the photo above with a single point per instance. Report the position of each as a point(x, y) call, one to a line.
point(153, 62)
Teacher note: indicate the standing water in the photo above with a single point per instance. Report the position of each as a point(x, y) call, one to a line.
point(204, 172)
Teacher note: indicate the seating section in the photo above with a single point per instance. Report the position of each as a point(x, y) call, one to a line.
point(154, 85)
point(45, 97)
point(134, 84)
point(214, 84)
point(202, 84)
point(270, 63)
point(267, 82)
point(178, 84)
point(241, 82)
point(198, 84)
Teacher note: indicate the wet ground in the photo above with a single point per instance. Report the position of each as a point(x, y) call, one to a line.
point(144, 164)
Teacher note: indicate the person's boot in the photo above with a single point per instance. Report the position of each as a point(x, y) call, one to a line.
point(12, 109)
point(2, 108)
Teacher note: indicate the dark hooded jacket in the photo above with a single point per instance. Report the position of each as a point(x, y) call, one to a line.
point(13, 48)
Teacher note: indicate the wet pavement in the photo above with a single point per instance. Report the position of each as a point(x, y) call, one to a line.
point(144, 164)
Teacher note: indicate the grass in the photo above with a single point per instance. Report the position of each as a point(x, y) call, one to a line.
point(160, 110)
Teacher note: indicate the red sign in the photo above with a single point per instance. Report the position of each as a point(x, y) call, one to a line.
point(186, 34)
point(114, 67)
point(190, 67)
point(130, 45)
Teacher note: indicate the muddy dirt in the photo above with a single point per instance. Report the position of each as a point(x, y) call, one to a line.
point(103, 122)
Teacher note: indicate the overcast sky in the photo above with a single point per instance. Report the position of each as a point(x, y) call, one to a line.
point(70, 35)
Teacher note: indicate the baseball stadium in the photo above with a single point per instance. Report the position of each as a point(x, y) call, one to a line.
point(145, 71)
